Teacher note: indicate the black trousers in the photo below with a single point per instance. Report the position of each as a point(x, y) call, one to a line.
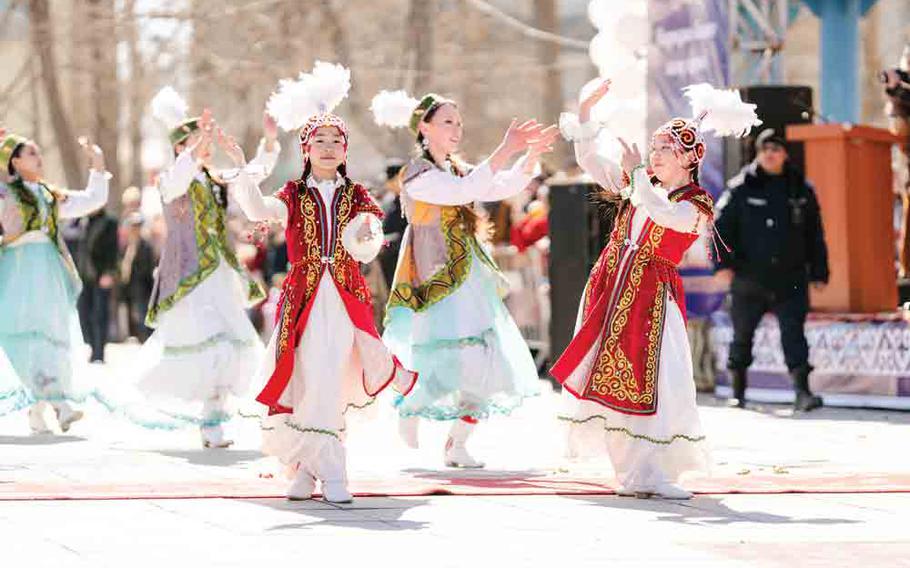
point(95, 317)
point(751, 301)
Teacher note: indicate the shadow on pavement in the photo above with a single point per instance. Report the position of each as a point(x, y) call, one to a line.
point(706, 511)
point(369, 513)
point(218, 458)
point(41, 440)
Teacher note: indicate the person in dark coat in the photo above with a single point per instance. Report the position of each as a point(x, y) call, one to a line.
point(96, 261)
point(770, 220)
point(394, 223)
point(137, 268)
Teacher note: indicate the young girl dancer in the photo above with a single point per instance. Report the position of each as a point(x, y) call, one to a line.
point(325, 356)
point(204, 347)
point(629, 367)
point(39, 326)
point(445, 317)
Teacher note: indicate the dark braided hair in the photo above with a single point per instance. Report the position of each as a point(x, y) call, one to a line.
point(17, 152)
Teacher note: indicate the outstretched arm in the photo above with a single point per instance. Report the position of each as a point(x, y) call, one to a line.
point(681, 216)
point(246, 191)
point(80, 203)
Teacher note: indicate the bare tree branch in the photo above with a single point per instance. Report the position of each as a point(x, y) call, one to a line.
point(527, 30)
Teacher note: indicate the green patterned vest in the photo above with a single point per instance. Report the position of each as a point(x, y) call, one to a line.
point(197, 240)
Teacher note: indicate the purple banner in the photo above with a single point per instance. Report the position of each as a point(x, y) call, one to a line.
point(689, 45)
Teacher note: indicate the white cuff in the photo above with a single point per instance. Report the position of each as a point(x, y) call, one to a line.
point(574, 131)
point(363, 250)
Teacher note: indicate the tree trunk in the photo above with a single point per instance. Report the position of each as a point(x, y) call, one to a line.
point(420, 38)
point(105, 91)
point(137, 93)
point(42, 39)
point(360, 114)
point(547, 19)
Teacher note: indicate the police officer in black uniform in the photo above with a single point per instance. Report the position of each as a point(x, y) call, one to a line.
point(770, 220)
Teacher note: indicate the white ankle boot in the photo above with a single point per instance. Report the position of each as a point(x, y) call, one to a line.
point(672, 491)
point(213, 437)
point(336, 491)
point(303, 485)
point(36, 421)
point(66, 415)
point(408, 429)
point(456, 454)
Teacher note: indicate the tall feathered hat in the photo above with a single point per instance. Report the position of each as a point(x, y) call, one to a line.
point(170, 108)
point(397, 109)
point(306, 103)
point(719, 110)
point(8, 145)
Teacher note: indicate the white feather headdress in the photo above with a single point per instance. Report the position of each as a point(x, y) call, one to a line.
point(721, 111)
point(316, 92)
point(393, 108)
point(169, 107)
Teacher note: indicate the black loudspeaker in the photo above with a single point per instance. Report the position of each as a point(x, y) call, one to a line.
point(579, 229)
point(778, 106)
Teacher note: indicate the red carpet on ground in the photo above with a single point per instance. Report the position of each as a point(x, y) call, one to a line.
point(445, 483)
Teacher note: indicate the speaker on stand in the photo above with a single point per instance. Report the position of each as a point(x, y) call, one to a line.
point(778, 106)
point(579, 229)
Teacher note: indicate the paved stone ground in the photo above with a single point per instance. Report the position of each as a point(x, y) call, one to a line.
point(439, 531)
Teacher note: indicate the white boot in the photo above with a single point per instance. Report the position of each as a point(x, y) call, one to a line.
point(213, 412)
point(408, 429)
point(213, 437)
point(36, 420)
point(303, 485)
point(66, 415)
point(456, 454)
point(672, 491)
point(336, 492)
point(333, 472)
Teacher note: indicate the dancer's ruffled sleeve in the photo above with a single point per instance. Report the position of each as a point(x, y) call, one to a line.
point(682, 216)
point(176, 180)
point(604, 171)
point(260, 167)
point(363, 237)
point(256, 206)
point(81, 203)
point(436, 186)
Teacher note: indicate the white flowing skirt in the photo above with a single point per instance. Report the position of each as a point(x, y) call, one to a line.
point(205, 346)
point(644, 450)
point(326, 384)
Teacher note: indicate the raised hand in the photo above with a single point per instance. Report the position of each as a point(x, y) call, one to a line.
point(584, 110)
point(270, 131)
point(631, 156)
point(203, 141)
point(92, 152)
point(546, 137)
point(231, 147)
point(519, 136)
point(540, 146)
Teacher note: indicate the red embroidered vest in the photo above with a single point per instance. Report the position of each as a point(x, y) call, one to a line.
point(625, 305)
point(314, 249)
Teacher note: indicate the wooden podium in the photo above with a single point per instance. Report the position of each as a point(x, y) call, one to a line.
point(850, 167)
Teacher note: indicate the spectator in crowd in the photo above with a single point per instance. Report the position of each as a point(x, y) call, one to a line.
point(96, 261)
point(137, 266)
point(532, 225)
point(770, 221)
point(394, 223)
